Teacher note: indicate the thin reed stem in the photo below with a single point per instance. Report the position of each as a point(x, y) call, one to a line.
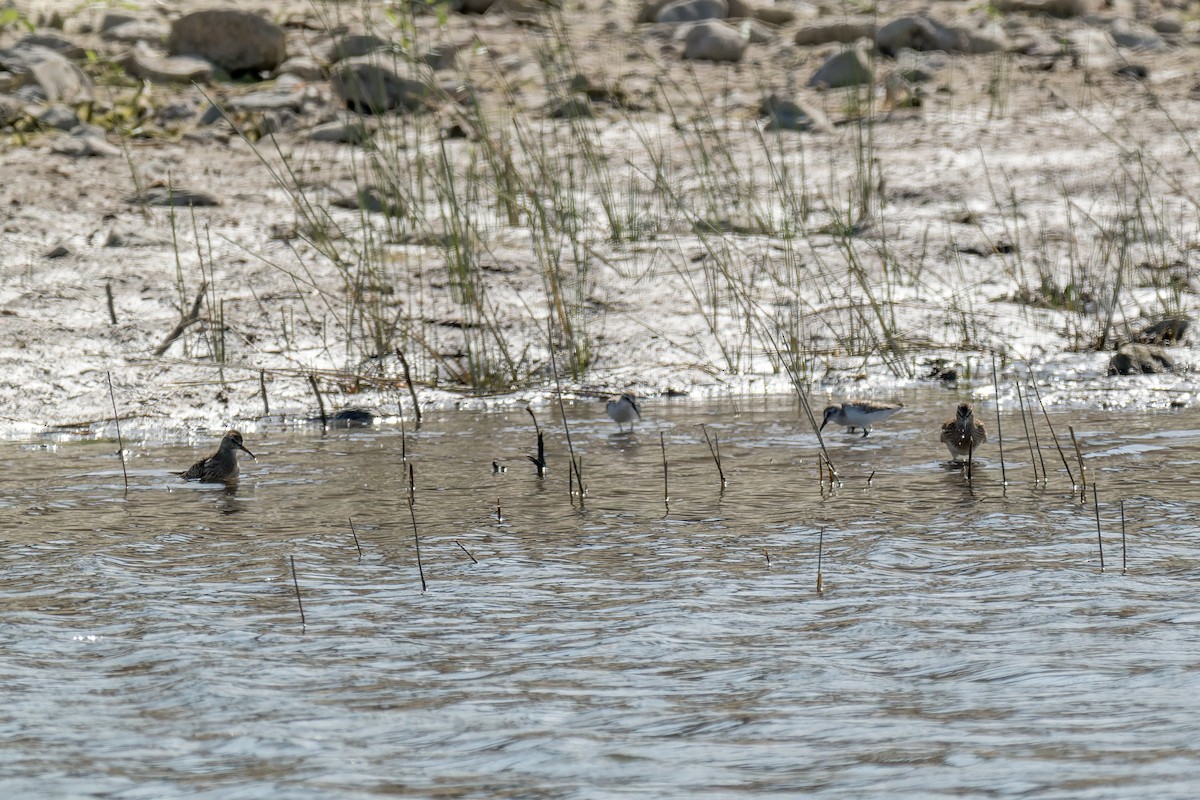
point(412, 513)
point(820, 558)
point(999, 432)
point(355, 535)
point(714, 449)
point(1037, 441)
point(1079, 458)
point(1025, 424)
point(465, 550)
point(662, 443)
point(262, 387)
point(312, 381)
point(117, 421)
point(1053, 435)
point(1099, 537)
point(296, 585)
point(412, 389)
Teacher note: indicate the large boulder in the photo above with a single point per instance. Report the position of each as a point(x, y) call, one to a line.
point(714, 40)
point(49, 75)
point(850, 67)
point(693, 11)
point(844, 30)
point(236, 41)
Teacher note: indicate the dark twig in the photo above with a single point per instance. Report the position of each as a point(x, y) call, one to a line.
point(412, 390)
point(1025, 424)
point(1037, 442)
point(1050, 425)
point(1079, 457)
point(112, 309)
point(662, 442)
point(355, 535)
point(820, 557)
point(465, 550)
point(412, 512)
point(562, 409)
point(188, 320)
point(312, 381)
point(1099, 538)
point(999, 433)
point(412, 485)
point(262, 385)
point(117, 421)
point(714, 448)
point(296, 584)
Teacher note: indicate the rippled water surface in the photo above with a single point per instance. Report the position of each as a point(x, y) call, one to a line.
point(965, 643)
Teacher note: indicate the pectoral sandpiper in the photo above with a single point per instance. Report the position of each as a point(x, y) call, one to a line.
point(963, 434)
point(624, 409)
point(859, 414)
point(221, 466)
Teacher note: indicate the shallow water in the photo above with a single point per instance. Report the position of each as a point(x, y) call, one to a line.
point(966, 642)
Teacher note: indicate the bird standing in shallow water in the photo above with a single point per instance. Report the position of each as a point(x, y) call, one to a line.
point(963, 434)
point(221, 466)
point(624, 409)
point(859, 414)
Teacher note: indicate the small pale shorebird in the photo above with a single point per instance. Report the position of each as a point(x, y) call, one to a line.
point(221, 466)
point(859, 414)
point(624, 408)
point(963, 434)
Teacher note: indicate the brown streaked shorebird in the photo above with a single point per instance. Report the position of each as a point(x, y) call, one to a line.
point(859, 414)
point(963, 434)
point(221, 466)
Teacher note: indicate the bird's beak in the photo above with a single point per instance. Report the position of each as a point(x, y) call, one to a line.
point(247, 452)
point(824, 422)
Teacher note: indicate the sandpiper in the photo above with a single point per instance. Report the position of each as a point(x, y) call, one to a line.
point(963, 434)
point(623, 409)
point(221, 466)
point(859, 414)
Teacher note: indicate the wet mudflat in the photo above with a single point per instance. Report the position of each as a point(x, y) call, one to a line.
point(966, 642)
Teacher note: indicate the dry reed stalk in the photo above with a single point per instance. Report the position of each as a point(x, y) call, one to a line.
point(262, 386)
point(412, 390)
point(1079, 457)
point(999, 432)
point(662, 443)
point(714, 449)
point(296, 585)
point(465, 550)
point(1025, 425)
point(820, 558)
point(355, 535)
point(117, 421)
point(1099, 538)
point(1037, 442)
point(312, 381)
point(412, 513)
point(185, 322)
point(1053, 435)
point(112, 309)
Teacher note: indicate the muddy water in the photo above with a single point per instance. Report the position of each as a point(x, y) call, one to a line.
point(966, 642)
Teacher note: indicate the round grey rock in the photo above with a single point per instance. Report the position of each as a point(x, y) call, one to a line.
point(236, 41)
